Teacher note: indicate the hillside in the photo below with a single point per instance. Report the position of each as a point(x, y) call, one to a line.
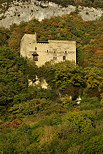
point(37, 121)
point(17, 11)
point(67, 117)
point(87, 34)
point(89, 3)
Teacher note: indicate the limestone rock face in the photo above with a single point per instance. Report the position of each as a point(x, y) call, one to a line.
point(25, 11)
point(90, 13)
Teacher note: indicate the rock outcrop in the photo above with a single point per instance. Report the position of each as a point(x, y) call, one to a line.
point(25, 11)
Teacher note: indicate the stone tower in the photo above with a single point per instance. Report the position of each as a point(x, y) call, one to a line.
point(41, 52)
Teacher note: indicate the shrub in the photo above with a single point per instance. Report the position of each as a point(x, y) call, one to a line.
point(35, 107)
point(64, 131)
point(31, 107)
point(93, 145)
point(35, 92)
point(90, 103)
point(80, 121)
point(54, 119)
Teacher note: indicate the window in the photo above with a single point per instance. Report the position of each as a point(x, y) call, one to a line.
point(64, 57)
point(47, 51)
point(35, 48)
point(35, 56)
point(55, 58)
point(65, 52)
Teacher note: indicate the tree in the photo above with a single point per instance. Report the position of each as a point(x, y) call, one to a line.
point(13, 77)
point(31, 70)
point(4, 36)
point(94, 77)
point(63, 76)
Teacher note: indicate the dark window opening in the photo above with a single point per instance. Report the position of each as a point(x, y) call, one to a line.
point(64, 57)
point(47, 51)
point(55, 58)
point(35, 56)
point(65, 52)
point(35, 48)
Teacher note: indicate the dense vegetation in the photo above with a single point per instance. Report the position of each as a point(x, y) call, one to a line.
point(12, 75)
point(89, 3)
point(69, 27)
point(36, 120)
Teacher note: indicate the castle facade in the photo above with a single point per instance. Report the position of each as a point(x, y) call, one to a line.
point(41, 52)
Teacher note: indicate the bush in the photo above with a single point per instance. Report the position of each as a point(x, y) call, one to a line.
point(35, 107)
point(31, 107)
point(80, 121)
point(54, 119)
point(93, 145)
point(14, 142)
point(35, 92)
point(64, 131)
point(90, 103)
point(19, 140)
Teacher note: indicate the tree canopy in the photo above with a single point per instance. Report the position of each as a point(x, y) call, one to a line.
point(13, 79)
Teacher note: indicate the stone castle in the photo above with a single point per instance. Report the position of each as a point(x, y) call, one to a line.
point(41, 52)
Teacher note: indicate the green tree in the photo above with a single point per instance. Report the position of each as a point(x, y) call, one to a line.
point(31, 70)
point(94, 77)
point(63, 76)
point(4, 36)
point(13, 77)
point(80, 121)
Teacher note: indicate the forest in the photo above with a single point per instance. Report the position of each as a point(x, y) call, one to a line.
point(34, 120)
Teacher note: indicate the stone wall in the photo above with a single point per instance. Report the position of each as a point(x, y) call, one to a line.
point(57, 50)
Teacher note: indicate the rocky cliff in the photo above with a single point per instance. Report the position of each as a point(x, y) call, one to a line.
point(25, 11)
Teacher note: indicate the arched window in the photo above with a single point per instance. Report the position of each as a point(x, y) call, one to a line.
point(64, 57)
point(35, 56)
point(35, 48)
